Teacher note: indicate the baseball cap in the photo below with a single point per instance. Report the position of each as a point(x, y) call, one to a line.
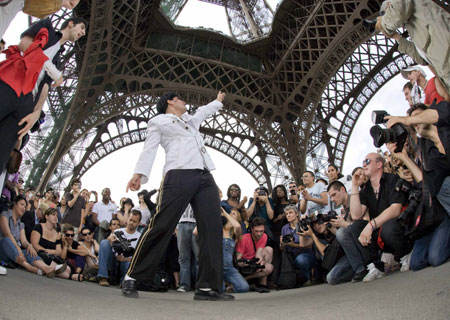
point(412, 68)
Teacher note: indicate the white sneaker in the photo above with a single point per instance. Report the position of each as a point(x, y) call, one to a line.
point(373, 274)
point(40, 272)
point(3, 271)
point(181, 289)
point(405, 262)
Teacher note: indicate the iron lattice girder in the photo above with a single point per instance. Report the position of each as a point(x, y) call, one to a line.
point(221, 132)
point(117, 35)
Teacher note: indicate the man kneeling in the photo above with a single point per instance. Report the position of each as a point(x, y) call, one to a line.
point(253, 245)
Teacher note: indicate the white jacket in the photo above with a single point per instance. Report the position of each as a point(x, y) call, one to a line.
point(181, 140)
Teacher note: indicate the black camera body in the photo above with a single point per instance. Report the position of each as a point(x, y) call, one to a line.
point(398, 133)
point(251, 266)
point(287, 238)
point(122, 246)
point(304, 224)
point(414, 200)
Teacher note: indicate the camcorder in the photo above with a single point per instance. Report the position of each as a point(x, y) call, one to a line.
point(398, 133)
point(287, 238)
point(250, 267)
point(122, 245)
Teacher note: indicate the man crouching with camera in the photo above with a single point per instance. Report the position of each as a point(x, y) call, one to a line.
point(120, 245)
point(258, 257)
point(432, 233)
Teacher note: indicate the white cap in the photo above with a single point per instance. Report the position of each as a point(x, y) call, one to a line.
point(405, 71)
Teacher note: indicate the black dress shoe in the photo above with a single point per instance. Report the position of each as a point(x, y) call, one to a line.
point(359, 276)
point(129, 289)
point(212, 295)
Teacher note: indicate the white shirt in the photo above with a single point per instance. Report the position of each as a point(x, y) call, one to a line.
point(188, 215)
point(104, 211)
point(180, 139)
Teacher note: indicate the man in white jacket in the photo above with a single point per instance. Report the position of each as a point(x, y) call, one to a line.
point(187, 180)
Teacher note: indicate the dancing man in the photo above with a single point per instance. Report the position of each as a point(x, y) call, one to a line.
point(187, 180)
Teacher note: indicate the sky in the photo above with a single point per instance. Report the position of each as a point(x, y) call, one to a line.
point(115, 170)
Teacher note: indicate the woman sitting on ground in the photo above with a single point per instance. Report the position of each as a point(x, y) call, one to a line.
point(72, 251)
point(92, 247)
point(47, 242)
point(124, 211)
point(14, 246)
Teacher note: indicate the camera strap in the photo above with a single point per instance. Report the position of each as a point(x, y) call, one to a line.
point(254, 246)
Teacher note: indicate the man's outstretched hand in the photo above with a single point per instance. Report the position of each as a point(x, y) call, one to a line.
point(135, 183)
point(220, 96)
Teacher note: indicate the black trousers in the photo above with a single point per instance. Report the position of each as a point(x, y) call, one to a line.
point(179, 188)
point(12, 110)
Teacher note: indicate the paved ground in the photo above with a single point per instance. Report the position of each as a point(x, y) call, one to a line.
point(411, 295)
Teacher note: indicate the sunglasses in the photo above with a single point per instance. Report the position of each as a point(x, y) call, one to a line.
point(86, 234)
point(71, 235)
point(234, 189)
point(367, 161)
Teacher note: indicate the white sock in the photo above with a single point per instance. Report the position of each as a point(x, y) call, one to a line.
point(128, 278)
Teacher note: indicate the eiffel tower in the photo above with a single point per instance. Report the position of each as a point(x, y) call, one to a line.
point(297, 78)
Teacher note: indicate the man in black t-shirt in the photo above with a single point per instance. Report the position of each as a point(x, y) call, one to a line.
point(363, 238)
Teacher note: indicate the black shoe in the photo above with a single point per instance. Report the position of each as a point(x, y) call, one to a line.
point(212, 295)
point(359, 276)
point(129, 289)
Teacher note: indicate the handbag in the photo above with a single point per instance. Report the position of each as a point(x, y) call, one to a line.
point(332, 254)
point(41, 8)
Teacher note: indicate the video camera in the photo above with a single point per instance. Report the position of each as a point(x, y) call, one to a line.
point(398, 133)
point(122, 245)
point(250, 267)
point(287, 238)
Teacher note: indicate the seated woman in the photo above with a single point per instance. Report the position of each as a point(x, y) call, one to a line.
point(47, 242)
point(73, 252)
point(92, 247)
point(231, 234)
point(298, 246)
point(14, 246)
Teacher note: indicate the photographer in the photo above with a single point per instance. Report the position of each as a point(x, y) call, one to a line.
point(293, 192)
point(300, 247)
point(106, 252)
point(362, 239)
point(433, 241)
point(262, 206)
point(253, 245)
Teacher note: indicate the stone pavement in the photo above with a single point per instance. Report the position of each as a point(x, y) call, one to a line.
point(411, 295)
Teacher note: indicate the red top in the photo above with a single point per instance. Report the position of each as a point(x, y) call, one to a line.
point(245, 245)
point(21, 72)
point(431, 92)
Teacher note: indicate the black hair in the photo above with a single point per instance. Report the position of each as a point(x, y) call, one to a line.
point(127, 200)
point(113, 219)
point(137, 213)
point(85, 228)
point(257, 221)
point(68, 227)
point(75, 20)
point(356, 169)
point(336, 185)
point(161, 106)
point(323, 180)
point(17, 199)
point(418, 106)
point(312, 173)
point(229, 191)
point(142, 193)
point(408, 85)
point(2, 41)
point(76, 180)
point(274, 194)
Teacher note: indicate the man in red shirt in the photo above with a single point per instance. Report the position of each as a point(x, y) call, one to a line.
point(433, 88)
point(253, 245)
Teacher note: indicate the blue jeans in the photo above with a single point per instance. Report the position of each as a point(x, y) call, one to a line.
point(432, 249)
point(187, 244)
point(444, 195)
point(341, 272)
point(305, 261)
point(233, 276)
point(105, 258)
point(9, 252)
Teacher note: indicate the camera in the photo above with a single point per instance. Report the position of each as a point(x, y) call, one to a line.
point(38, 123)
point(287, 238)
point(122, 246)
point(304, 224)
point(414, 199)
point(261, 190)
point(398, 133)
point(251, 266)
point(326, 218)
point(370, 24)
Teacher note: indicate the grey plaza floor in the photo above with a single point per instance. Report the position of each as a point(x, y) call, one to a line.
point(411, 295)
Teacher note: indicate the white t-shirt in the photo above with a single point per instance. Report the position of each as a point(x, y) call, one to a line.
point(104, 211)
point(315, 191)
point(130, 236)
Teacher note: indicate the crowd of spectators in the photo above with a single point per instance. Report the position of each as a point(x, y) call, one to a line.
point(393, 214)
